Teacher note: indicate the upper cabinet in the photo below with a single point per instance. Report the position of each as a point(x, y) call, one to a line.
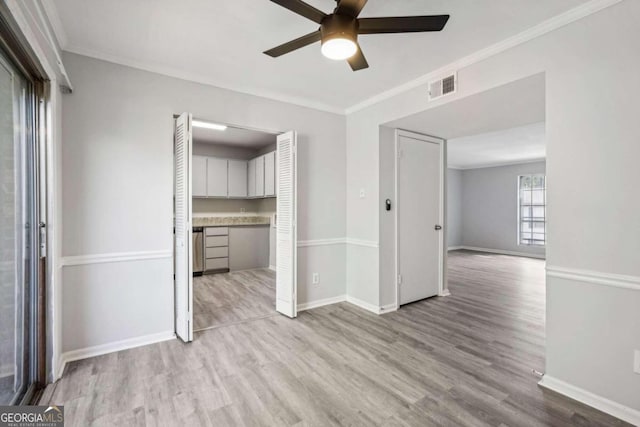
point(237, 178)
point(251, 178)
point(217, 177)
point(270, 174)
point(260, 176)
point(199, 176)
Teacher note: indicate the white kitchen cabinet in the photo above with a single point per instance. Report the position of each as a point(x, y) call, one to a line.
point(199, 176)
point(270, 174)
point(237, 178)
point(217, 177)
point(251, 178)
point(260, 176)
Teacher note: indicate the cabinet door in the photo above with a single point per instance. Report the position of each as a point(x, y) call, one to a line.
point(270, 174)
point(238, 178)
point(217, 183)
point(251, 178)
point(260, 176)
point(199, 176)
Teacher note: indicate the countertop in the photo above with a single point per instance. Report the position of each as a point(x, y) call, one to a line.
point(230, 219)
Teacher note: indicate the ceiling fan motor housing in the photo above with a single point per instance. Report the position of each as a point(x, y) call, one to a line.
point(339, 26)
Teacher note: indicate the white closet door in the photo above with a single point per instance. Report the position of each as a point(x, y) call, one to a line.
point(217, 177)
point(237, 178)
point(260, 176)
point(251, 178)
point(183, 247)
point(270, 174)
point(199, 176)
point(286, 276)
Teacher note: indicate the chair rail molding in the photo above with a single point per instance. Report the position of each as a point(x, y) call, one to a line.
point(595, 277)
point(75, 260)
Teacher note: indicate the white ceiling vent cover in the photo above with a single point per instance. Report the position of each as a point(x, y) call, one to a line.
point(443, 86)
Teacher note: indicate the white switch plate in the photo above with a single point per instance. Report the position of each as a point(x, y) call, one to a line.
point(315, 278)
point(362, 193)
point(636, 362)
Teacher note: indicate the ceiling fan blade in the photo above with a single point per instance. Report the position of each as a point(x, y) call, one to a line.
point(358, 61)
point(294, 44)
point(350, 7)
point(402, 24)
point(302, 9)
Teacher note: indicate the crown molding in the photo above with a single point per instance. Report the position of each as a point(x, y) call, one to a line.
point(541, 29)
point(201, 78)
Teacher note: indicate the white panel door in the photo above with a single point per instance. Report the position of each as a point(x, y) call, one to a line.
point(260, 176)
point(419, 216)
point(237, 178)
point(251, 178)
point(286, 234)
point(199, 176)
point(217, 177)
point(270, 174)
point(183, 245)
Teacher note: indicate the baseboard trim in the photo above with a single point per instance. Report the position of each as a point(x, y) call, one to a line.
point(610, 407)
point(6, 370)
point(595, 277)
point(272, 268)
point(445, 293)
point(389, 308)
point(455, 248)
point(99, 350)
point(321, 302)
point(501, 252)
point(364, 305)
point(114, 257)
point(321, 242)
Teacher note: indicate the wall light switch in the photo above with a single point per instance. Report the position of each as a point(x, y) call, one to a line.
point(636, 362)
point(315, 278)
point(362, 193)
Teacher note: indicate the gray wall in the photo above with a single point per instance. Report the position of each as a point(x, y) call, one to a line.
point(224, 151)
point(454, 208)
point(489, 207)
point(117, 176)
point(590, 68)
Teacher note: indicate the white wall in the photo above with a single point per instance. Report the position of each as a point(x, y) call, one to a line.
point(489, 207)
point(454, 208)
point(592, 147)
point(118, 178)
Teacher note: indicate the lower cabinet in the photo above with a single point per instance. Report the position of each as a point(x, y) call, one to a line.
point(236, 248)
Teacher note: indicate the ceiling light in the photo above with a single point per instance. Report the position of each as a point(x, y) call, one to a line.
point(207, 125)
point(339, 48)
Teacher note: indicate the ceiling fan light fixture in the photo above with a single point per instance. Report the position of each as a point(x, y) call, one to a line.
point(339, 48)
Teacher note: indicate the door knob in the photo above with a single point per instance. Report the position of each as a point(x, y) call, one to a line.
point(438, 227)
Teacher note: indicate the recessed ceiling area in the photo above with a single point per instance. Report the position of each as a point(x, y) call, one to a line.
point(499, 126)
point(221, 42)
point(509, 146)
point(235, 137)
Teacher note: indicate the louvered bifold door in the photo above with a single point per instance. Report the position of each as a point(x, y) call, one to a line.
point(286, 226)
point(183, 247)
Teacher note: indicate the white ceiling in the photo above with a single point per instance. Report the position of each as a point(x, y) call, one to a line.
point(221, 42)
point(235, 137)
point(509, 146)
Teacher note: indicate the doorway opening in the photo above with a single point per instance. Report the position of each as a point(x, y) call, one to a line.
point(235, 251)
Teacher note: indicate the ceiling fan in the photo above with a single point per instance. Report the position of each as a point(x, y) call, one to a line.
point(339, 30)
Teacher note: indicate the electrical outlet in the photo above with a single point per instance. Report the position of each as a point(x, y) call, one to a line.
point(362, 193)
point(636, 362)
point(315, 278)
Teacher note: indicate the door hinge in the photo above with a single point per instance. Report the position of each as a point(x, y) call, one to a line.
point(399, 279)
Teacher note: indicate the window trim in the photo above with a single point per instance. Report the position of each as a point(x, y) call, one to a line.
point(519, 208)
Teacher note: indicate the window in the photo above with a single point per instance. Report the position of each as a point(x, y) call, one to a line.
point(532, 210)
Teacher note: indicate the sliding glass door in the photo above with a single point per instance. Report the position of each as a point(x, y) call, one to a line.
point(18, 244)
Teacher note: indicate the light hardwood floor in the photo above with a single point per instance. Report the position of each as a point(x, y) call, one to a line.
point(222, 299)
point(463, 360)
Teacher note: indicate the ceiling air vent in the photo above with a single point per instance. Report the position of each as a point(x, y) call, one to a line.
point(442, 87)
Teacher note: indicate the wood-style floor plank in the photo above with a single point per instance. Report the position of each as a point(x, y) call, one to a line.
point(462, 360)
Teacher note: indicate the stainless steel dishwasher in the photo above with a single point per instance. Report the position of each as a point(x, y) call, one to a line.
point(198, 251)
